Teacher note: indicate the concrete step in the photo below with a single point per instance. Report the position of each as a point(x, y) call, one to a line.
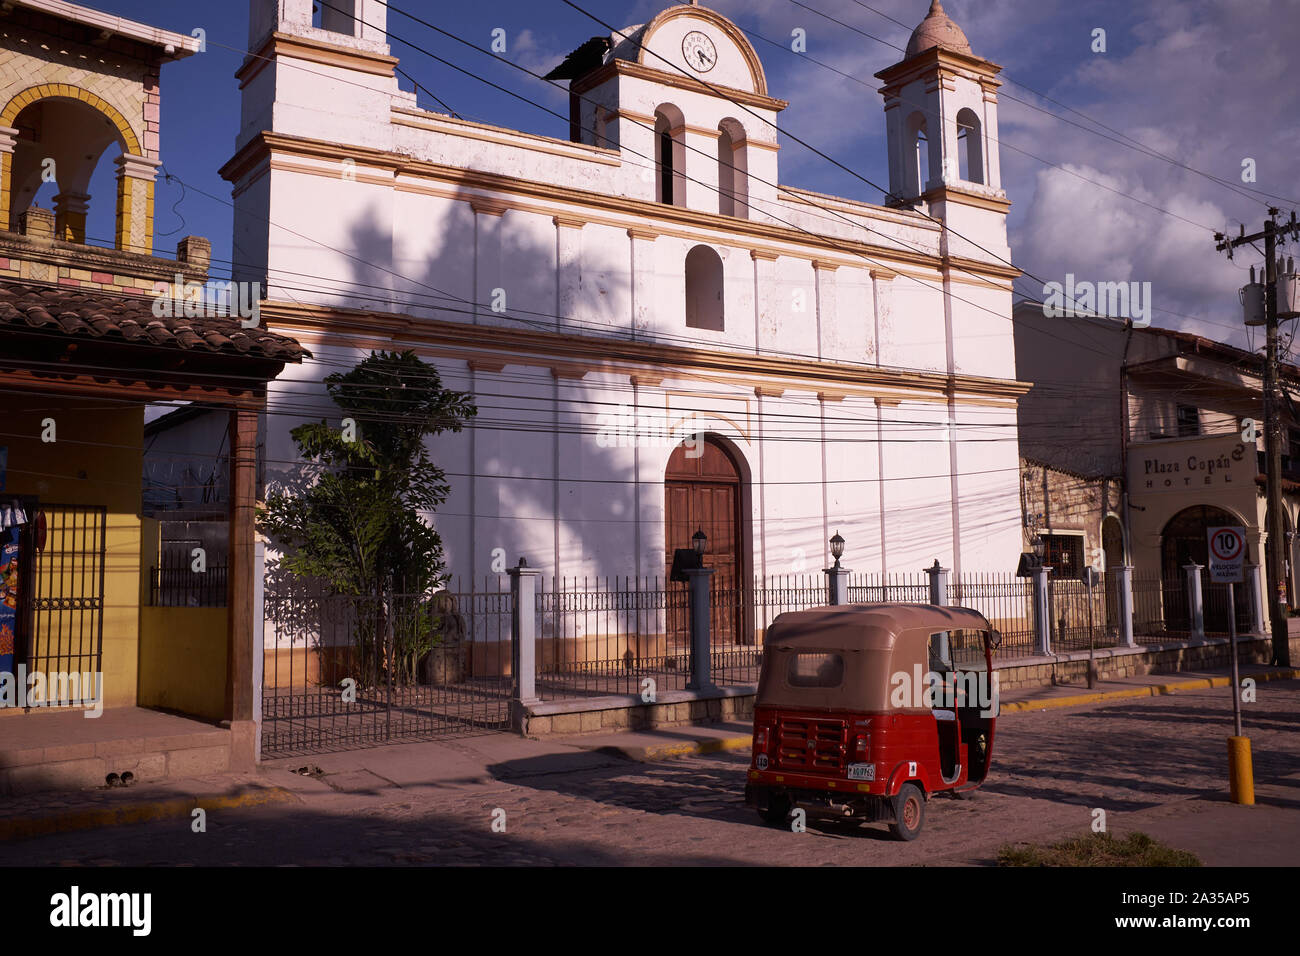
point(65, 750)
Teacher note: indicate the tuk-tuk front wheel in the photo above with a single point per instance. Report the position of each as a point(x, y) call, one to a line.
point(777, 809)
point(909, 812)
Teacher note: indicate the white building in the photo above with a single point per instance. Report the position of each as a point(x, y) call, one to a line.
point(850, 366)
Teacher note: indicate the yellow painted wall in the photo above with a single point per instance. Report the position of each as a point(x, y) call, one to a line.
point(95, 459)
point(183, 659)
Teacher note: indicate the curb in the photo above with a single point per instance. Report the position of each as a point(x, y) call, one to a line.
point(21, 828)
point(721, 744)
point(1151, 690)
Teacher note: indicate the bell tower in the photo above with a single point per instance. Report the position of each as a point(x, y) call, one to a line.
point(318, 71)
point(322, 70)
point(942, 128)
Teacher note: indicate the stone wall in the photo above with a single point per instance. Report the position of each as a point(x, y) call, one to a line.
point(638, 716)
point(1114, 664)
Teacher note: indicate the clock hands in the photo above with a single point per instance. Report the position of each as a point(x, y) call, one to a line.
point(699, 52)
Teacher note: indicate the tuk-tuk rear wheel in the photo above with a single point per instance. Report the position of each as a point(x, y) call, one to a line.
point(909, 812)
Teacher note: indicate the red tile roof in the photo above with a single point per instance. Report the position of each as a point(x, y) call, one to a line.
point(102, 315)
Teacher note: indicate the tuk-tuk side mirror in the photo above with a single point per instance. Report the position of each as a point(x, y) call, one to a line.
point(995, 638)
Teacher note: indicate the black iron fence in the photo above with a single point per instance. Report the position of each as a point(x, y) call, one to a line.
point(68, 591)
point(343, 671)
point(888, 588)
point(1008, 603)
point(1079, 617)
point(175, 581)
point(625, 635)
point(1216, 609)
point(600, 636)
point(1159, 610)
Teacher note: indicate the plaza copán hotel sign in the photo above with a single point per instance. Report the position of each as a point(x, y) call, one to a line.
point(1216, 464)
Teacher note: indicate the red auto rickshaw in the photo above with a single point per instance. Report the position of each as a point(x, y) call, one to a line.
point(866, 710)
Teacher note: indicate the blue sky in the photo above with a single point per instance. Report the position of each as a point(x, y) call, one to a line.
point(1203, 82)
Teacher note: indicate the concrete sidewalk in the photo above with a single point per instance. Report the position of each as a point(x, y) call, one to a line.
point(360, 778)
point(1145, 685)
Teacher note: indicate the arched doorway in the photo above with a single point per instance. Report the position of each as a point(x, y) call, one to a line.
point(63, 132)
point(1183, 541)
point(704, 489)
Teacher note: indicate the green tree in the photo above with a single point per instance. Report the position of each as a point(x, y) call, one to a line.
point(356, 522)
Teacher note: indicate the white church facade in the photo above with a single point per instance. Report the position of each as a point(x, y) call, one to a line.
point(832, 364)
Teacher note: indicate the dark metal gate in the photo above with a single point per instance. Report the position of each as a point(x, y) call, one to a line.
point(68, 592)
point(347, 671)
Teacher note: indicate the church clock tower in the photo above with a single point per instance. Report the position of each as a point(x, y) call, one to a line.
point(941, 112)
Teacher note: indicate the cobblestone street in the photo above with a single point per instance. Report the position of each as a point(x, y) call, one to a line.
point(1155, 764)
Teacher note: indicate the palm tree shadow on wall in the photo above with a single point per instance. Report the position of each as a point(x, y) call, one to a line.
point(439, 288)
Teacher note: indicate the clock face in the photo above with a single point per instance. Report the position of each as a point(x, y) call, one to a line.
point(699, 51)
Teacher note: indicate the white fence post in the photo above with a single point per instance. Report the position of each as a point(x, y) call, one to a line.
point(837, 585)
point(1124, 594)
point(523, 641)
point(1255, 583)
point(1195, 602)
point(1042, 612)
point(699, 579)
point(940, 578)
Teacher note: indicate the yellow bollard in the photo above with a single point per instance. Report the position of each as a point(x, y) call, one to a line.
point(1241, 776)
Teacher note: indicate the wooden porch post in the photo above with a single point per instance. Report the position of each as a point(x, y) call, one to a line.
point(239, 604)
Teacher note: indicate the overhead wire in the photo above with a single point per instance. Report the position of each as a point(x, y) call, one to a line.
point(1127, 141)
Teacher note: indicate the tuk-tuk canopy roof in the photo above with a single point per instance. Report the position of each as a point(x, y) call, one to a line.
point(873, 643)
point(865, 626)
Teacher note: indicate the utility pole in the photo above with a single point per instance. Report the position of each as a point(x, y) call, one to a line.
point(1276, 563)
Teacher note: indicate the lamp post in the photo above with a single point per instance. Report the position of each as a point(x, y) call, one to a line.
point(700, 613)
point(837, 578)
point(837, 548)
point(1042, 598)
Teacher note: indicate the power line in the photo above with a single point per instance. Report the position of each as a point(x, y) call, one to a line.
point(847, 220)
point(691, 340)
point(1001, 141)
point(546, 109)
point(721, 93)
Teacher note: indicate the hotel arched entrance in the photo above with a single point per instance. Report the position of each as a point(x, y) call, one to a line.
point(1183, 541)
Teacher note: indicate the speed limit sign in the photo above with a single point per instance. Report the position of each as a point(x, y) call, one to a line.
point(1227, 552)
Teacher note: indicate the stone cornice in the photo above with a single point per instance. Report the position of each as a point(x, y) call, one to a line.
point(314, 51)
point(938, 60)
point(954, 193)
point(570, 353)
point(677, 81)
point(255, 153)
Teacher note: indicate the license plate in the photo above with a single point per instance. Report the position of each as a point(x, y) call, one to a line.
point(862, 771)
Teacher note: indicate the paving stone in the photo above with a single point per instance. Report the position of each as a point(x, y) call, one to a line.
point(1147, 762)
